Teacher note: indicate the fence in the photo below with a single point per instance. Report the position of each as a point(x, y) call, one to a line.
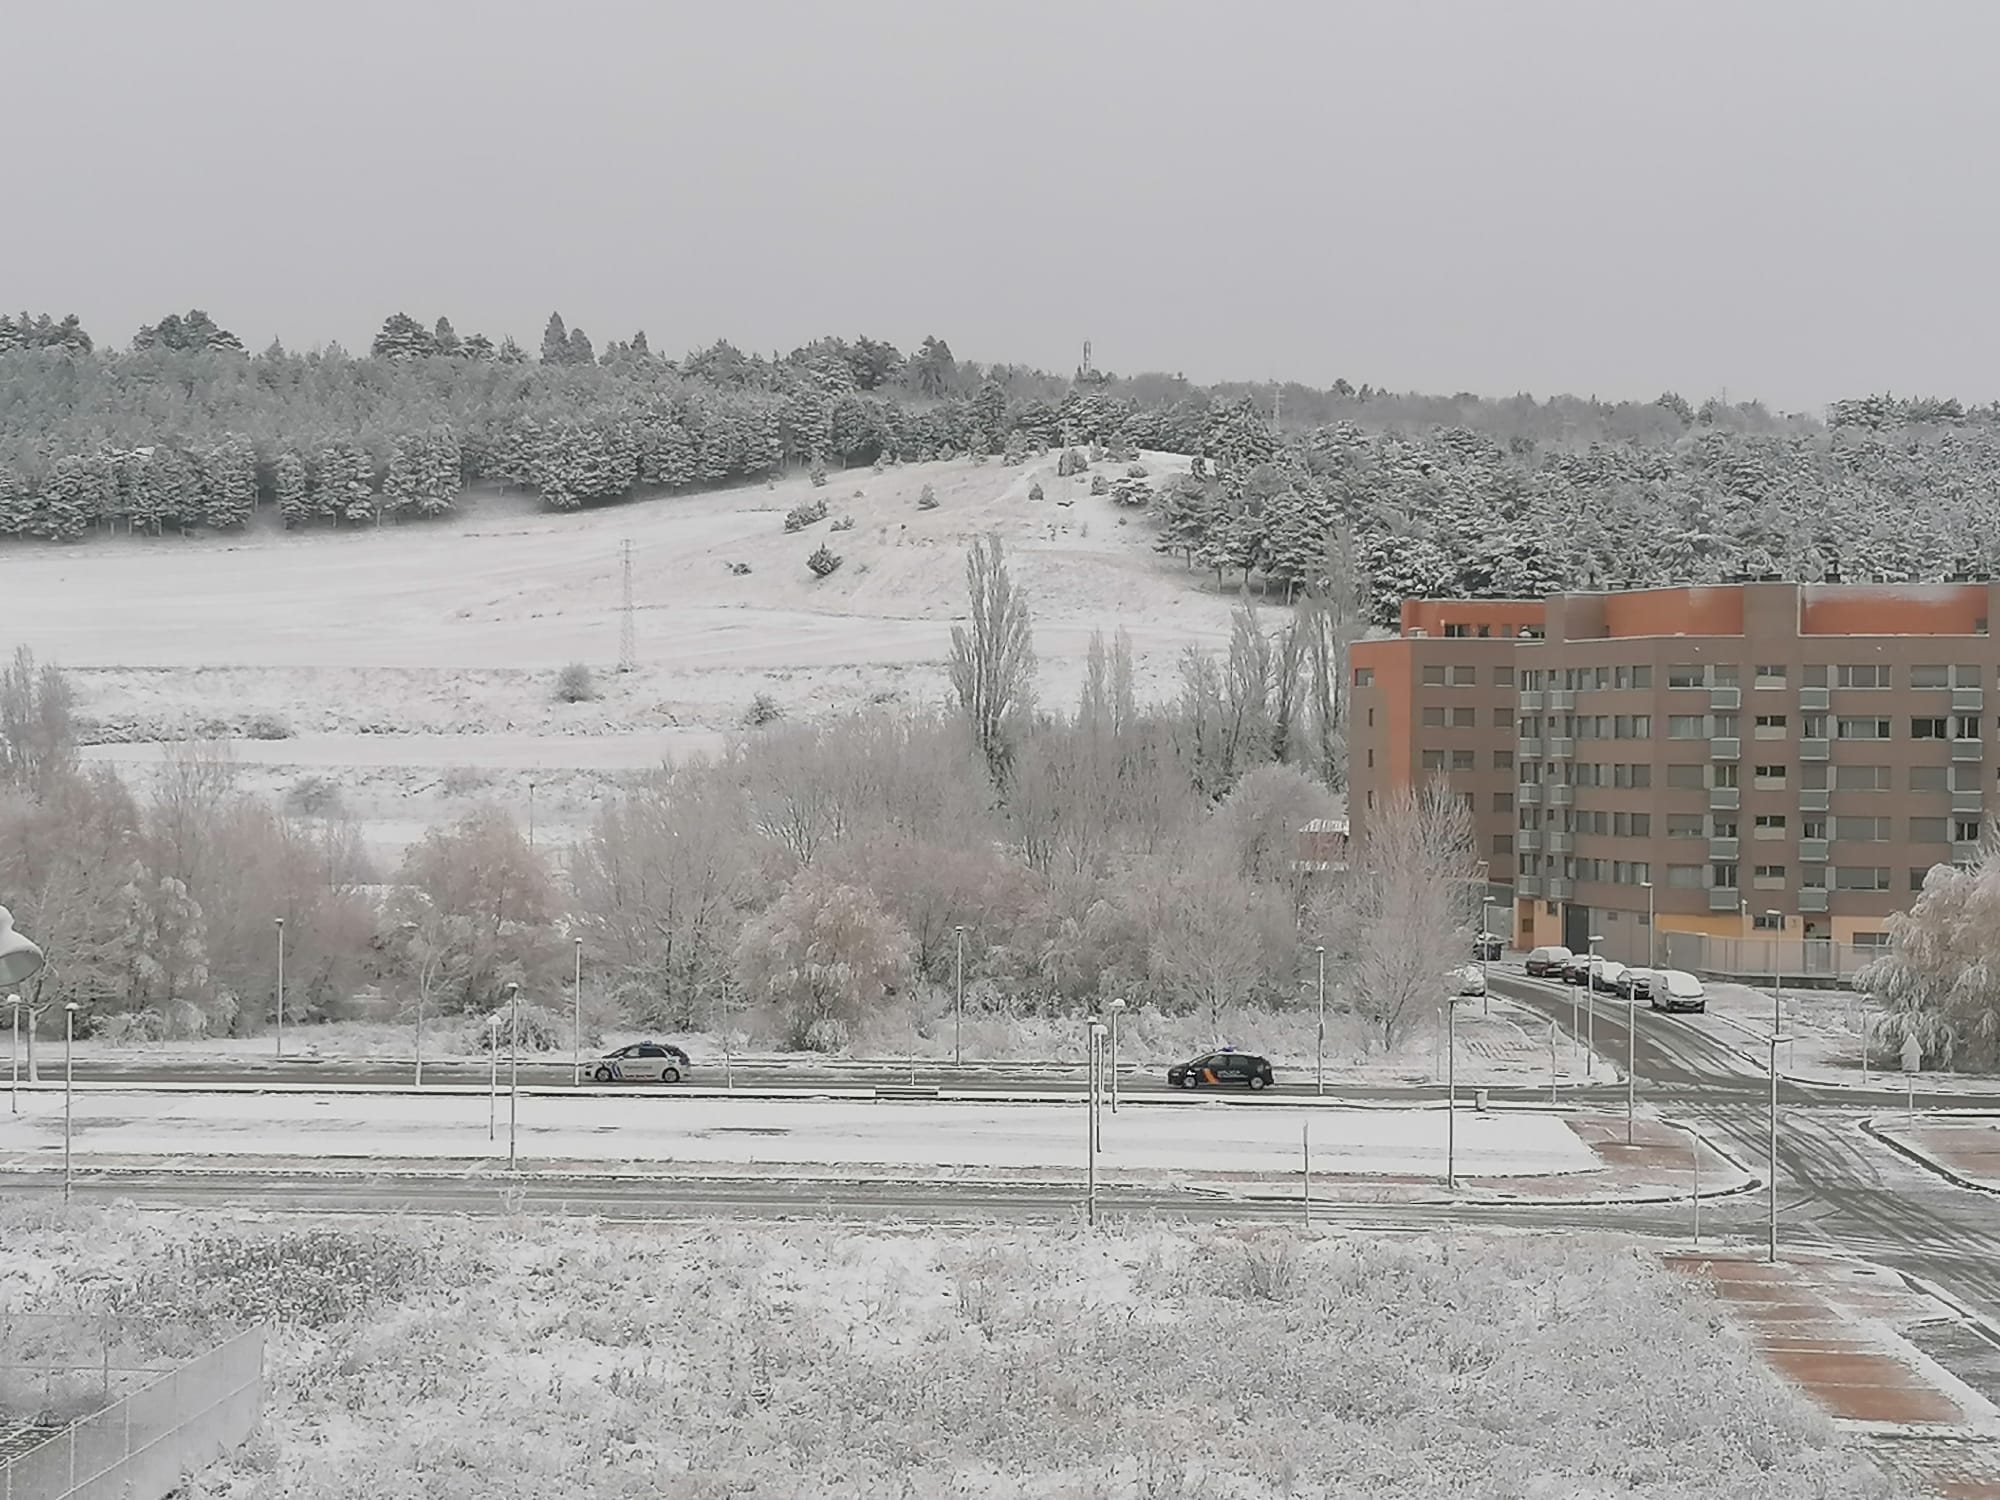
point(140, 1445)
point(1758, 960)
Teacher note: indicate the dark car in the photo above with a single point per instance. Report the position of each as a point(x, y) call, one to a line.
point(642, 1062)
point(1220, 1069)
point(1577, 970)
point(1488, 946)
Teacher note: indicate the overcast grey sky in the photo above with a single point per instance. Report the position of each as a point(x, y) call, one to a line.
point(1790, 200)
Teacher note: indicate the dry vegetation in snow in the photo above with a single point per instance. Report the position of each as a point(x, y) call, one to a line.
point(446, 1359)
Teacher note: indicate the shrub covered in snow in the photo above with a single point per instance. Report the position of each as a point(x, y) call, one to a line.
point(824, 560)
point(799, 517)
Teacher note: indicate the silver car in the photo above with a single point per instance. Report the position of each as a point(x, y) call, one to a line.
point(642, 1062)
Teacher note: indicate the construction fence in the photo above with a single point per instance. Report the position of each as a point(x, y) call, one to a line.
point(108, 1421)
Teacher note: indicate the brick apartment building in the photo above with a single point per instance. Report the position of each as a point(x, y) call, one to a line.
point(1727, 777)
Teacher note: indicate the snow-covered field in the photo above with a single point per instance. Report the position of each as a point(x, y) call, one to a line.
point(395, 658)
point(491, 1359)
point(658, 1127)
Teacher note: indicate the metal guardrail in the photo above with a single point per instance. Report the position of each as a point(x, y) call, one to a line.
point(143, 1445)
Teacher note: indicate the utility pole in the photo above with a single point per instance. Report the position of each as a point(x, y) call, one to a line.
point(627, 638)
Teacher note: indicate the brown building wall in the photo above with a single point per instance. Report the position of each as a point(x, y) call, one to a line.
point(1575, 844)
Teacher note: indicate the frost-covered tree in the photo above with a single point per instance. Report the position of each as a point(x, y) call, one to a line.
point(822, 957)
point(992, 662)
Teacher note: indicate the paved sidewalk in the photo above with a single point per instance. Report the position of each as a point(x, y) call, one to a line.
point(1844, 1332)
point(1964, 1148)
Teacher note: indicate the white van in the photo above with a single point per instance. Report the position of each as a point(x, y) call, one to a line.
point(1547, 963)
point(1676, 989)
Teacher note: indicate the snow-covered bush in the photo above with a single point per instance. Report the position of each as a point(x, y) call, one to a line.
point(575, 684)
point(824, 560)
point(799, 517)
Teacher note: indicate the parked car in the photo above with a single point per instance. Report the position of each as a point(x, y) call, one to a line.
point(1489, 946)
point(1638, 984)
point(1577, 970)
point(1547, 963)
point(1608, 977)
point(1219, 1069)
point(642, 1062)
point(1471, 980)
point(1676, 989)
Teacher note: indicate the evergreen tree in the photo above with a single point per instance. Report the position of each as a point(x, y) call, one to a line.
point(288, 482)
point(511, 353)
point(229, 483)
point(445, 340)
point(403, 337)
point(555, 341)
point(478, 346)
point(579, 348)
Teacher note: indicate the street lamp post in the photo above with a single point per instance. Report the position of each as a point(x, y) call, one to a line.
point(1090, 1127)
point(1319, 1040)
point(958, 997)
point(576, 1022)
point(1117, 1009)
point(1590, 1008)
point(513, 998)
point(1778, 982)
point(1777, 1040)
point(1652, 926)
point(69, 1086)
point(1631, 1052)
point(281, 985)
point(1485, 972)
point(1451, 1096)
point(14, 1055)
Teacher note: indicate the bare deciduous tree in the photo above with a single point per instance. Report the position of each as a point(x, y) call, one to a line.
point(993, 659)
point(1407, 908)
point(821, 956)
point(37, 726)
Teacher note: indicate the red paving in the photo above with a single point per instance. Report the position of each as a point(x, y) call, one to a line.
point(1966, 1148)
point(1660, 1161)
point(1828, 1326)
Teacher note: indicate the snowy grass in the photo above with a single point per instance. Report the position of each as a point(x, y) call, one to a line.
point(557, 1359)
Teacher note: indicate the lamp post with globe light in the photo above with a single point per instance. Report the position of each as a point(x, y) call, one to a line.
point(20, 961)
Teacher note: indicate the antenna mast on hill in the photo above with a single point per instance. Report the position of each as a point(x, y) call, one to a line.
point(625, 624)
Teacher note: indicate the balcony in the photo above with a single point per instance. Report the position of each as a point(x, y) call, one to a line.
point(1963, 750)
point(1812, 851)
point(1529, 700)
point(1561, 700)
point(1528, 841)
point(1814, 799)
point(1724, 898)
point(1527, 749)
point(1725, 697)
point(1724, 798)
point(1722, 748)
point(1561, 843)
point(1815, 749)
point(1963, 853)
point(1558, 888)
point(1722, 848)
point(1813, 898)
point(1527, 885)
point(1811, 698)
point(1562, 795)
point(1968, 700)
point(1528, 794)
point(1562, 749)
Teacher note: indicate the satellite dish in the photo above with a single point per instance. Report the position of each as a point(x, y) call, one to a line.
point(19, 958)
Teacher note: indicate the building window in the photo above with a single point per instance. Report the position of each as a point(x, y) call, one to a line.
point(1722, 875)
point(1924, 729)
point(1861, 778)
point(1462, 760)
point(1464, 676)
point(1965, 675)
point(1766, 921)
point(1503, 843)
point(1686, 826)
point(1812, 726)
point(1930, 676)
point(1929, 831)
point(1878, 941)
point(1862, 675)
point(1364, 677)
point(1371, 718)
point(1503, 802)
point(1464, 718)
point(1685, 877)
point(1813, 677)
point(1503, 718)
point(1503, 760)
point(1456, 632)
point(1771, 676)
point(1861, 729)
point(1769, 779)
point(1768, 877)
point(1433, 718)
point(1918, 874)
point(1929, 778)
point(1642, 677)
point(1685, 677)
point(1685, 776)
point(1769, 826)
point(1635, 776)
point(1434, 760)
point(1812, 827)
point(1965, 727)
point(1687, 727)
point(1725, 773)
point(1770, 726)
point(1433, 677)
point(1860, 878)
point(1965, 831)
point(1722, 826)
point(1503, 676)
point(1852, 830)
